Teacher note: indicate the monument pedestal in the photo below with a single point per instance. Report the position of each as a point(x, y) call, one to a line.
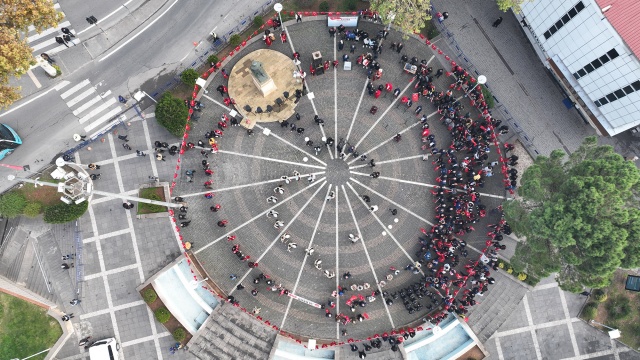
point(266, 87)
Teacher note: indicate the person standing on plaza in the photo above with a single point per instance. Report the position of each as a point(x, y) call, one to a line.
point(497, 22)
point(298, 17)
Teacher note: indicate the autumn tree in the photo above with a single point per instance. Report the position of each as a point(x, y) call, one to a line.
point(15, 54)
point(581, 217)
point(409, 16)
point(514, 5)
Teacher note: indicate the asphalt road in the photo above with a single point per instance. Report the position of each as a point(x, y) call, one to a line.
point(134, 45)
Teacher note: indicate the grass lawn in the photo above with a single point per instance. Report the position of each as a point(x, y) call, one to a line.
point(154, 193)
point(629, 325)
point(25, 329)
point(46, 195)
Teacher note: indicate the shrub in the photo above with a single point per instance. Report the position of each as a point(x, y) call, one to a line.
point(599, 295)
point(510, 270)
point(149, 296)
point(63, 213)
point(58, 71)
point(179, 334)
point(350, 5)
point(258, 21)
point(501, 265)
point(33, 209)
point(618, 307)
point(213, 59)
point(149, 193)
point(189, 77)
point(172, 113)
point(590, 311)
point(235, 40)
point(163, 315)
point(488, 97)
point(12, 204)
point(324, 6)
point(522, 276)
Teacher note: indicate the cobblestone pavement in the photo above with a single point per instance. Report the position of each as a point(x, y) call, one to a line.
point(517, 77)
point(248, 168)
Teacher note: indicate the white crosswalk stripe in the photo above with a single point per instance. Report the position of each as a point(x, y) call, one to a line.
point(95, 109)
point(45, 42)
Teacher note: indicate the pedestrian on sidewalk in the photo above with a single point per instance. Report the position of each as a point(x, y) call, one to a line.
point(68, 257)
point(497, 22)
point(75, 302)
point(140, 153)
point(123, 138)
point(66, 266)
point(61, 41)
point(66, 31)
point(67, 39)
point(94, 176)
point(93, 166)
point(67, 317)
point(84, 341)
point(298, 17)
point(126, 146)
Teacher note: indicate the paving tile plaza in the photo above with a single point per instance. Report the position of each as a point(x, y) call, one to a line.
point(121, 251)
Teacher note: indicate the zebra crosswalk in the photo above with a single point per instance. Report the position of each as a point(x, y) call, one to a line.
point(93, 108)
point(45, 41)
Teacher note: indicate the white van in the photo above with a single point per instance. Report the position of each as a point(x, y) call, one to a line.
point(106, 349)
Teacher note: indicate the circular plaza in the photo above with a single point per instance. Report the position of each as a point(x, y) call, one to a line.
point(321, 220)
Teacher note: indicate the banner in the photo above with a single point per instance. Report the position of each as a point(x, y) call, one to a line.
point(337, 20)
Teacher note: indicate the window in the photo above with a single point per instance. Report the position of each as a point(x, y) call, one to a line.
point(575, 75)
point(596, 63)
point(619, 93)
point(579, 6)
point(559, 24)
point(611, 97)
point(597, 103)
point(613, 54)
point(589, 68)
point(582, 73)
point(604, 59)
point(553, 30)
point(628, 89)
point(573, 12)
point(636, 85)
point(603, 101)
point(565, 19)
point(547, 34)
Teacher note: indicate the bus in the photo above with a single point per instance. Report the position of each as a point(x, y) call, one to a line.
point(9, 140)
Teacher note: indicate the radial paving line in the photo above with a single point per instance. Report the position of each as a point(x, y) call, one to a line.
point(271, 159)
point(304, 261)
point(278, 236)
point(567, 315)
point(147, 137)
point(366, 252)
point(216, 102)
point(388, 161)
point(335, 100)
point(391, 201)
point(386, 141)
point(355, 114)
point(384, 227)
point(384, 113)
point(247, 185)
point(293, 146)
point(423, 184)
point(527, 311)
point(337, 192)
point(261, 214)
point(304, 83)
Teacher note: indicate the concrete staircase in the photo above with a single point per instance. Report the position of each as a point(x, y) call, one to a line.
point(229, 333)
point(495, 306)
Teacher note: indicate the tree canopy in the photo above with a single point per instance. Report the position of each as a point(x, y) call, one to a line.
point(409, 16)
point(172, 113)
point(580, 216)
point(15, 53)
point(505, 5)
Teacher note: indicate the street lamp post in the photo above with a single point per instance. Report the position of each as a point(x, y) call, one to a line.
point(278, 8)
point(613, 333)
point(481, 81)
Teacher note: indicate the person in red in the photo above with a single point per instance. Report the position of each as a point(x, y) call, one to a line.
point(267, 41)
point(377, 93)
point(326, 65)
point(312, 70)
point(223, 223)
point(283, 37)
point(335, 63)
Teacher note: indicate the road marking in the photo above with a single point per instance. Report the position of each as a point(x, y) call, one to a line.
point(260, 214)
point(304, 261)
point(572, 335)
point(102, 119)
point(364, 246)
point(86, 105)
point(527, 311)
point(52, 41)
point(48, 31)
point(337, 193)
point(389, 161)
point(292, 145)
point(271, 159)
point(111, 272)
point(139, 33)
point(34, 79)
point(97, 110)
point(111, 309)
point(335, 102)
point(71, 91)
point(146, 338)
point(108, 16)
point(355, 114)
point(277, 238)
point(82, 95)
point(57, 88)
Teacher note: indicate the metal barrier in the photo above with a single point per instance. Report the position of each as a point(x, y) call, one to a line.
point(499, 108)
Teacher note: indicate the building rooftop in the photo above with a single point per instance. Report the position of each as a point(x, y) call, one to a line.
point(624, 15)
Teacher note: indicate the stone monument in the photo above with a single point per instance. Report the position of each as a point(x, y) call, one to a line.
point(261, 79)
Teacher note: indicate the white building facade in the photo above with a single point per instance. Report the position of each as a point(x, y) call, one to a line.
point(591, 47)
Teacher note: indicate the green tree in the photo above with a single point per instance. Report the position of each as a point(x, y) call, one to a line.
point(514, 5)
point(63, 213)
point(581, 216)
point(12, 204)
point(172, 113)
point(409, 16)
point(235, 40)
point(33, 209)
point(189, 77)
